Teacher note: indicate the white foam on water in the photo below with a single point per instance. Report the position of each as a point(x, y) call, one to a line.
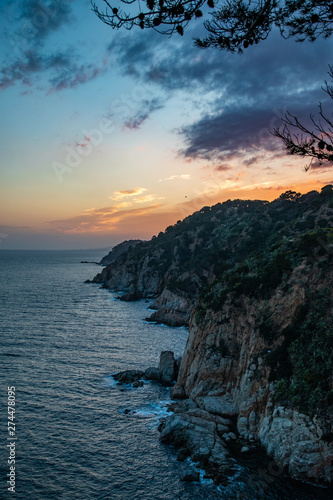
point(237, 470)
point(202, 472)
point(153, 410)
point(109, 381)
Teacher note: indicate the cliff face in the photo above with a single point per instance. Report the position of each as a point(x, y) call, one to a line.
point(116, 251)
point(254, 280)
point(238, 357)
point(178, 265)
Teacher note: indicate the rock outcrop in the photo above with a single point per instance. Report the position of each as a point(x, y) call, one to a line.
point(227, 371)
point(153, 373)
point(168, 367)
point(175, 267)
point(166, 373)
point(254, 281)
point(128, 376)
point(171, 309)
point(295, 441)
point(199, 435)
point(118, 250)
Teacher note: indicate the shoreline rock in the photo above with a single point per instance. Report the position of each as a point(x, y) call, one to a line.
point(190, 475)
point(168, 367)
point(128, 376)
point(153, 373)
point(166, 373)
point(198, 435)
point(254, 279)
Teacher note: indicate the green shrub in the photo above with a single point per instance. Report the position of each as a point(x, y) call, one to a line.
point(310, 357)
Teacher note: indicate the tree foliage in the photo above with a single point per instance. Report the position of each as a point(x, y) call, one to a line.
point(289, 196)
point(232, 25)
point(309, 385)
point(316, 142)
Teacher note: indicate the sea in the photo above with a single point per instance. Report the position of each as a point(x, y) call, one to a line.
point(68, 431)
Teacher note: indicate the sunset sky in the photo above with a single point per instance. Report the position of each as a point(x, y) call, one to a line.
point(110, 135)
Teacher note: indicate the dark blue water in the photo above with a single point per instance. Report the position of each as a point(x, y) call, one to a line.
point(61, 340)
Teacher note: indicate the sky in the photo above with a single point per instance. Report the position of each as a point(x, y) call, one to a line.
point(110, 135)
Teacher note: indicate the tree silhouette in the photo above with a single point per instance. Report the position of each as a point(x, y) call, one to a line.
point(316, 143)
point(289, 196)
point(233, 26)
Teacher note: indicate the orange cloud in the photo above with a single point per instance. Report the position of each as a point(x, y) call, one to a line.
point(184, 177)
point(107, 218)
point(125, 193)
point(143, 222)
point(148, 198)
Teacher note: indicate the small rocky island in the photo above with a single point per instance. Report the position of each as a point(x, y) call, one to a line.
point(254, 282)
point(166, 373)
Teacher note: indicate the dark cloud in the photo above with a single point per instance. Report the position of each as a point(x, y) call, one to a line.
point(29, 64)
point(246, 128)
point(147, 108)
point(242, 129)
point(241, 96)
point(62, 68)
point(165, 62)
point(131, 49)
point(41, 17)
point(222, 168)
point(175, 64)
point(75, 75)
point(29, 59)
point(251, 161)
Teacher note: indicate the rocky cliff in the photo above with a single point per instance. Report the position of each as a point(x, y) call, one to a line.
point(254, 280)
point(177, 266)
point(116, 251)
point(265, 365)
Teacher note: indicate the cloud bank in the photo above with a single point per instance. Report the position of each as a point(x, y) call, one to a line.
point(239, 98)
point(35, 61)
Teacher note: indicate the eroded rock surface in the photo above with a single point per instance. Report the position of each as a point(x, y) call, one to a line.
point(225, 372)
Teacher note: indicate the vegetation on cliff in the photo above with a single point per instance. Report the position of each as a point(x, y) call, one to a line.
point(116, 251)
point(226, 242)
point(250, 249)
point(301, 359)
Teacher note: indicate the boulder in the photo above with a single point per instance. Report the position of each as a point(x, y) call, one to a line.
point(178, 392)
point(190, 476)
point(168, 316)
point(128, 376)
point(138, 383)
point(153, 373)
point(194, 432)
point(168, 367)
point(218, 405)
point(182, 454)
